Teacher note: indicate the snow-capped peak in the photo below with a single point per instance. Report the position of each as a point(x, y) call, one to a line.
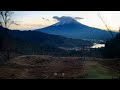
point(64, 20)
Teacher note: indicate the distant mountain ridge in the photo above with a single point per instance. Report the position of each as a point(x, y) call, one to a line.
point(47, 39)
point(27, 42)
point(44, 38)
point(69, 27)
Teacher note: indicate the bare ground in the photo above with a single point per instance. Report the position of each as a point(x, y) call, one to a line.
point(48, 67)
point(42, 67)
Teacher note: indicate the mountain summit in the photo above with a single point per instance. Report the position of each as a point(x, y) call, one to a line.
point(71, 28)
point(64, 20)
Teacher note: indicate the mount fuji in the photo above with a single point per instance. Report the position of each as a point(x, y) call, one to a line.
point(71, 28)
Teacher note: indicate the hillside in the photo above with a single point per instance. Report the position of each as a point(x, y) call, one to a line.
point(33, 42)
point(47, 39)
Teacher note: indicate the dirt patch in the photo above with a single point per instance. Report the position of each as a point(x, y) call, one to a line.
point(48, 67)
point(42, 67)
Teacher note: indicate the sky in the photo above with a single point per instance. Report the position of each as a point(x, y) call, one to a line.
point(30, 20)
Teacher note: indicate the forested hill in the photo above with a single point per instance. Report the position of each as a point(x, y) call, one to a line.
point(47, 39)
point(27, 42)
point(112, 47)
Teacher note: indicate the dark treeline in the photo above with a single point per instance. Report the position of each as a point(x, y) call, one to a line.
point(112, 47)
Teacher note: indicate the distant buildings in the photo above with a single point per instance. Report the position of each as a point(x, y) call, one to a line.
point(84, 47)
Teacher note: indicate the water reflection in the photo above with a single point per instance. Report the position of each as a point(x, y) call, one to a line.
point(96, 45)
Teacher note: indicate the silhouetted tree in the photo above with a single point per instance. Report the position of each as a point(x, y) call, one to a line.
point(7, 44)
point(6, 19)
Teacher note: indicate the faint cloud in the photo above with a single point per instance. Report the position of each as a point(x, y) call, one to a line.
point(78, 18)
point(27, 27)
point(63, 18)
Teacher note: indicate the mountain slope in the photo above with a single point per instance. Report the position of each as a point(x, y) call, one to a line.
point(29, 42)
point(47, 39)
point(69, 27)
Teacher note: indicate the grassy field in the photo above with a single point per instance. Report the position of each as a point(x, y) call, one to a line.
point(98, 71)
point(48, 67)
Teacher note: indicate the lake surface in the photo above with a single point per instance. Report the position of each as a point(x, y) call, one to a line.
point(96, 45)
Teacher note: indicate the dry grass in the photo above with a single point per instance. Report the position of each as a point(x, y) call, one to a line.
point(41, 67)
point(48, 67)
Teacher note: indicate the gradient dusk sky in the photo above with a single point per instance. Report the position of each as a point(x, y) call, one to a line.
point(30, 20)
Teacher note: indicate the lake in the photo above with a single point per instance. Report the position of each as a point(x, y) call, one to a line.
point(96, 45)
